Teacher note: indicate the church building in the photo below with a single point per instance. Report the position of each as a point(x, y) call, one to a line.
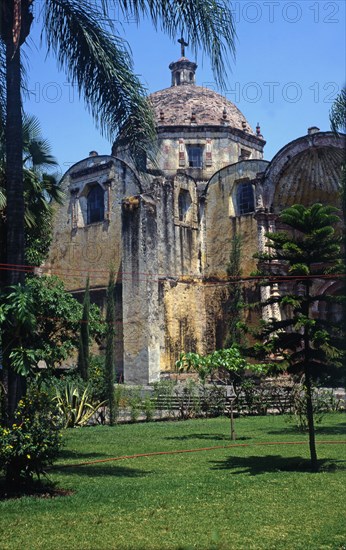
point(167, 232)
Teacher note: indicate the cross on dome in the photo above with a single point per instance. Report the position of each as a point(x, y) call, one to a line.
point(182, 43)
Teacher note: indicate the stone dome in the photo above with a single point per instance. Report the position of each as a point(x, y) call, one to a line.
point(191, 105)
point(311, 176)
point(185, 104)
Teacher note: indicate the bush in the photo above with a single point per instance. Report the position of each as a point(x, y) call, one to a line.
point(97, 378)
point(76, 406)
point(33, 441)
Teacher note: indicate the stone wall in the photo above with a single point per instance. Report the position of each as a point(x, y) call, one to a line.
point(79, 249)
point(221, 223)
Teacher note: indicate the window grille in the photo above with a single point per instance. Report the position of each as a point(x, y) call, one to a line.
point(245, 198)
point(195, 154)
point(96, 204)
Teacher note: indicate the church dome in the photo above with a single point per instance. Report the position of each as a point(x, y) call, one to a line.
point(185, 104)
point(312, 175)
point(198, 106)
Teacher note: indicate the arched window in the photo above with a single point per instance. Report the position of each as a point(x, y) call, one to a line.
point(245, 198)
point(184, 203)
point(96, 204)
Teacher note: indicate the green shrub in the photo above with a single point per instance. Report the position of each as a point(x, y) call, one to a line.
point(33, 440)
point(135, 403)
point(97, 378)
point(148, 407)
point(76, 406)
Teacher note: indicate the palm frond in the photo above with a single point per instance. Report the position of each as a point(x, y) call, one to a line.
point(101, 66)
point(36, 150)
point(208, 25)
point(337, 114)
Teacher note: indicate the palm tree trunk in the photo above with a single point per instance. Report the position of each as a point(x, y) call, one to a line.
point(14, 167)
point(14, 383)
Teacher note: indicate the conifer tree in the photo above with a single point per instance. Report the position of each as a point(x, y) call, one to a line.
point(83, 352)
point(302, 342)
point(110, 359)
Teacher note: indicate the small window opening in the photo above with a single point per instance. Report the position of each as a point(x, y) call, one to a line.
point(245, 198)
point(178, 79)
point(195, 154)
point(245, 154)
point(96, 204)
point(191, 77)
point(184, 203)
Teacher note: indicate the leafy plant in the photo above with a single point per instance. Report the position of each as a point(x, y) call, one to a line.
point(135, 404)
point(148, 407)
point(97, 378)
point(75, 405)
point(32, 442)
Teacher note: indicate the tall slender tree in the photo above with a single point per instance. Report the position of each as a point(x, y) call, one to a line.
point(236, 293)
point(97, 59)
point(110, 355)
point(83, 351)
point(302, 342)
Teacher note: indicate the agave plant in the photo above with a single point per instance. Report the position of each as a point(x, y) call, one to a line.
point(76, 406)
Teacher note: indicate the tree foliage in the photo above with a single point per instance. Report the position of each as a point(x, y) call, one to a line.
point(226, 364)
point(45, 320)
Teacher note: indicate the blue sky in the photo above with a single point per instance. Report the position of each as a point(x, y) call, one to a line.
point(290, 65)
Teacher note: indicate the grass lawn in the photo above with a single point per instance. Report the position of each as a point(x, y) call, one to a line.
point(246, 497)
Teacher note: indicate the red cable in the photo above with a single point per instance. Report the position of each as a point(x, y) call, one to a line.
point(158, 453)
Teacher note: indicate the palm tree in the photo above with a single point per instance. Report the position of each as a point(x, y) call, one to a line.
point(40, 189)
point(97, 59)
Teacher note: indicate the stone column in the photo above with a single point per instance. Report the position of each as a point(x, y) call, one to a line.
point(140, 290)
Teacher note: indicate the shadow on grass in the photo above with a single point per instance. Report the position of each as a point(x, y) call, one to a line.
point(100, 470)
point(44, 488)
point(254, 465)
point(65, 454)
point(209, 437)
point(340, 429)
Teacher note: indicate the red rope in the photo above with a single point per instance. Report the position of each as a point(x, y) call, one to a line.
point(158, 453)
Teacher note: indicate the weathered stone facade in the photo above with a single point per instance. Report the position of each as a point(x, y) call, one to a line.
point(167, 234)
